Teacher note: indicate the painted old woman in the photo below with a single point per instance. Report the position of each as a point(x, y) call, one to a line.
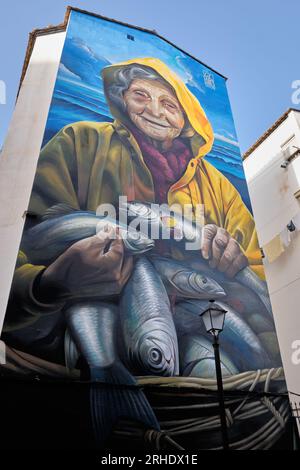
point(153, 151)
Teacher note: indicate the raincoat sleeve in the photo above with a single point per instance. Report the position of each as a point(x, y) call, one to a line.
point(239, 222)
point(56, 181)
point(23, 307)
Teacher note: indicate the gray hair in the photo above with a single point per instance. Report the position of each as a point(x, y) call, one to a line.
point(122, 79)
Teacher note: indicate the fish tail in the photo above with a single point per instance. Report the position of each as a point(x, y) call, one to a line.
point(110, 403)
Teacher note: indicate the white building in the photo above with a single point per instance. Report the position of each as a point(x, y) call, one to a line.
point(272, 167)
point(19, 155)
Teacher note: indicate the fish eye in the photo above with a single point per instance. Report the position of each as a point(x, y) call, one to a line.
point(156, 356)
point(204, 280)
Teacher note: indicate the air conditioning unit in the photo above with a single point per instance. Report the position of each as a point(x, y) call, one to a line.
point(297, 194)
point(288, 152)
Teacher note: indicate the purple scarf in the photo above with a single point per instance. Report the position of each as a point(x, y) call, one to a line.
point(166, 167)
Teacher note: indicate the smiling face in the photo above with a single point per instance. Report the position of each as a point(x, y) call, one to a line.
point(154, 109)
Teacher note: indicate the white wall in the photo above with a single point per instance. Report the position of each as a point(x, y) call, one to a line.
point(20, 152)
point(272, 195)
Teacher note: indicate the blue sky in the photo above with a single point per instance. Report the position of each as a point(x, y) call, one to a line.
point(255, 44)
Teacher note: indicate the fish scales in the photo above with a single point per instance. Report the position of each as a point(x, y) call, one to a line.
point(148, 330)
point(93, 327)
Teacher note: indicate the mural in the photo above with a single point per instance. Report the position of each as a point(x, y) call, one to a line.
point(110, 283)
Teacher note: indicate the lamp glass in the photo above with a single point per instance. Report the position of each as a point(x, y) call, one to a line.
point(213, 318)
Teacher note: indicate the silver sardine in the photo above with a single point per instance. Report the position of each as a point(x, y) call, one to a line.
point(150, 340)
point(238, 340)
point(244, 278)
point(92, 325)
point(185, 282)
point(191, 232)
point(197, 358)
point(113, 392)
point(50, 238)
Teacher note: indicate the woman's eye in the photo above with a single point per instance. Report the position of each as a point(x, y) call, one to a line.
point(170, 106)
point(140, 94)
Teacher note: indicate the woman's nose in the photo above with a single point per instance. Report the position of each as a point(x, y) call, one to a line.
point(155, 108)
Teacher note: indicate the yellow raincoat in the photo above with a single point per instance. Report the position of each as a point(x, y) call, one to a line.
point(90, 163)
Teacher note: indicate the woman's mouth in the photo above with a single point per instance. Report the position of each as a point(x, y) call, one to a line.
point(155, 123)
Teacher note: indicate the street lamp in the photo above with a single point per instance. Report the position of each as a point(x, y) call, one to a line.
point(213, 318)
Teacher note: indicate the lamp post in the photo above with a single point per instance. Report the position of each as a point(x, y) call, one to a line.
point(213, 318)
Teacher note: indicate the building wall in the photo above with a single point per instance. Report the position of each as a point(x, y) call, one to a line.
point(272, 191)
point(21, 150)
point(79, 168)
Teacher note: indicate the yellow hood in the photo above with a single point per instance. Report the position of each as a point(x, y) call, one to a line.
point(202, 140)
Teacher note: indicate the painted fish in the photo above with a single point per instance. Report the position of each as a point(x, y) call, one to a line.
point(150, 340)
point(184, 282)
point(197, 358)
point(238, 340)
point(93, 325)
point(248, 278)
point(158, 220)
point(191, 232)
point(246, 297)
point(50, 238)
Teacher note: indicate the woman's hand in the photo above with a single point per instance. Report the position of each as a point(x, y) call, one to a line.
point(92, 265)
point(223, 252)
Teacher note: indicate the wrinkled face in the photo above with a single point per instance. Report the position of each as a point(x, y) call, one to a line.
point(154, 109)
